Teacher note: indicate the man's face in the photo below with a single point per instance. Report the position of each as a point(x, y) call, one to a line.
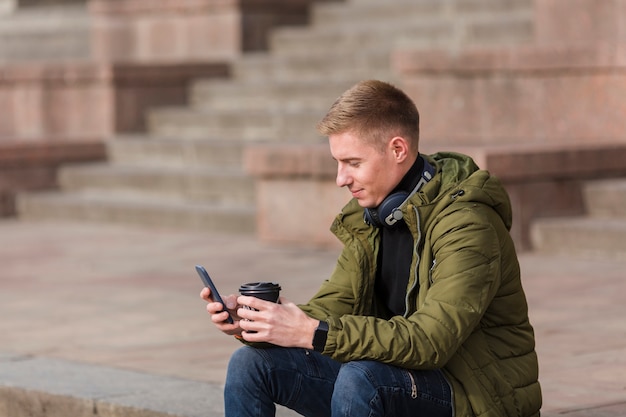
point(367, 171)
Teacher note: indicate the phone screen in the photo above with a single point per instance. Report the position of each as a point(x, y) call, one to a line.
point(206, 279)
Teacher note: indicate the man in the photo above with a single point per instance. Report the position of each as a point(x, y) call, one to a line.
point(424, 314)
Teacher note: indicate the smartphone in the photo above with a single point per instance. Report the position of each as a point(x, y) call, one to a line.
point(206, 279)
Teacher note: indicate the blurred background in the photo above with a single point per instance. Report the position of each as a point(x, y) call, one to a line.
point(201, 114)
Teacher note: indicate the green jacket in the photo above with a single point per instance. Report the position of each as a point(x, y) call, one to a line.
point(466, 311)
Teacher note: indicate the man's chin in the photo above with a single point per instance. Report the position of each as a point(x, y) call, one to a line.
point(365, 204)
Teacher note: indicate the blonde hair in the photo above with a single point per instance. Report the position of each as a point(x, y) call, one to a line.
point(376, 111)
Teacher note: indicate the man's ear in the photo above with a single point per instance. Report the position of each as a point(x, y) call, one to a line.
point(400, 148)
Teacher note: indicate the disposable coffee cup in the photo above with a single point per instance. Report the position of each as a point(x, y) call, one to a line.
point(268, 291)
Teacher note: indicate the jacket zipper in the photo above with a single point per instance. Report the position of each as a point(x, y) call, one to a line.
point(417, 262)
point(413, 385)
point(430, 272)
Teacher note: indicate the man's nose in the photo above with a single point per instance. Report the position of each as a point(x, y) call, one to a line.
point(342, 177)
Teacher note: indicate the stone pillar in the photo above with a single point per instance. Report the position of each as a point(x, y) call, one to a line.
point(89, 101)
point(165, 30)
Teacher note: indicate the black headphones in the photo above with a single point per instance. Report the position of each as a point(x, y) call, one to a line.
point(388, 213)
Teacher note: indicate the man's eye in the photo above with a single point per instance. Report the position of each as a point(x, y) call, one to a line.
point(354, 164)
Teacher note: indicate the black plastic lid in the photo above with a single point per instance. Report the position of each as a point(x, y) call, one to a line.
point(259, 287)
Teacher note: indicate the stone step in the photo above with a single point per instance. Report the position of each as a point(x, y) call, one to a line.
point(426, 23)
point(606, 198)
point(586, 237)
point(227, 125)
point(317, 66)
point(136, 210)
point(351, 12)
point(185, 123)
point(218, 187)
point(445, 34)
point(49, 387)
point(45, 33)
point(257, 95)
point(461, 5)
point(144, 150)
point(600, 233)
point(290, 41)
point(489, 30)
point(365, 12)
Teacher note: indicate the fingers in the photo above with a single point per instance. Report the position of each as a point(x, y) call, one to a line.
point(255, 303)
point(230, 301)
point(218, 313)
point(205, 294)
point(220, 317)
point(255, 312)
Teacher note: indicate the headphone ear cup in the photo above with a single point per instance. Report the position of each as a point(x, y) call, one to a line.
point(389, 207)
point(371, 217)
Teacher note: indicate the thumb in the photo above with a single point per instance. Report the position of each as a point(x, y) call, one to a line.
point(230, 301)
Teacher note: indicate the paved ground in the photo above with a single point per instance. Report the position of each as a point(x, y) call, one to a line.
point(127, 298)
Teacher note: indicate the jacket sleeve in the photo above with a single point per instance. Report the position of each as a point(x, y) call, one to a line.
point(336, 296)
point(464, 278)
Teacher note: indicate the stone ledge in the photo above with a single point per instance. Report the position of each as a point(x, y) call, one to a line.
point(91, 99)
point(540, 161)
point(290, 161)
point(56, 388)
point(543, 179)
point(45, 387)
point(545, 58)
point(33, 165)
point(119, 73)
point(143, 7)
point(507, 161)
point(549, 93)
point(53, 152)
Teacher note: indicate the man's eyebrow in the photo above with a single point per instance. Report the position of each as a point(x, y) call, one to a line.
point(348, 159)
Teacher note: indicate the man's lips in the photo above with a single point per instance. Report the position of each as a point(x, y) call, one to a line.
point(356, 193)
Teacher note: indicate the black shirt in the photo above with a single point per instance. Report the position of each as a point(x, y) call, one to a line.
point(396, 252)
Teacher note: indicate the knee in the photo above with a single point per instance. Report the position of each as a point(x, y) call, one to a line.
point(245, 364)
point(353, 384)
point(355, 374)
point(244, 356)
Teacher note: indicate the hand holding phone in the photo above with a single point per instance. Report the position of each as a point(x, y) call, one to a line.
point(206, 279)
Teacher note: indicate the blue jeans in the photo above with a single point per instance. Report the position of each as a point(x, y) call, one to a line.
point(314, 385)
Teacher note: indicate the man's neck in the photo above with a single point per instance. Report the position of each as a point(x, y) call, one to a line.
point(412, 176)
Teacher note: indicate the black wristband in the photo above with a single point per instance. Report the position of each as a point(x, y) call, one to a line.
point(319, 337)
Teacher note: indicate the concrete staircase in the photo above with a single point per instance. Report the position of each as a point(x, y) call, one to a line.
point(600, 234)
point(54, 32)
point(186, 171)
point(192, 184)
